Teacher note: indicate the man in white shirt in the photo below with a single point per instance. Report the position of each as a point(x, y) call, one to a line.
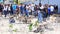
point(52, 8)
point(5, 10)
point(42, 7)
point(32, 8)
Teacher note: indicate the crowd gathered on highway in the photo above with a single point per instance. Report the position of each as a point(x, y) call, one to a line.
point(40, 11)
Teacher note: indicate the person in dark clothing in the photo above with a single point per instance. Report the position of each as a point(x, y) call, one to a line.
point(55, 8)
point(35, 9)
point(1, 9)
point(40, 4)
point(21, 9)
point(11, 12)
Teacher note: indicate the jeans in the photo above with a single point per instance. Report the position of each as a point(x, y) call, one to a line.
point(35, 13)
point(27, 13)
point(5, 13)
point(40, 18)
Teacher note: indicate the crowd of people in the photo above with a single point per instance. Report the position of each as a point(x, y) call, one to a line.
point(27, 9)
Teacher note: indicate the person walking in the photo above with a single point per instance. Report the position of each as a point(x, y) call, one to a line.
point(49, 11)
point(11, 8)
point(14, 6)
point(27, 11)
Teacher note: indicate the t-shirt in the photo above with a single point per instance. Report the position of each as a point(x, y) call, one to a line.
point(21, 8)
point(32, 8)
point(42, 7)
point(40, 18)
point(49, 10)
point(52, 8)
point(14, 7)
point(5, 8)
point(9, 8)
point(0, 7)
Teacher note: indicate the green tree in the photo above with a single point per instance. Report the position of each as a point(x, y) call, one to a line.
point(16, 1)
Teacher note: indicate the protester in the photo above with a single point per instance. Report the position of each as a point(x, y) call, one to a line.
point(56, 8)
point(40, 17)
point(21, 9)
point(17, 11)
point(46, 9)
point(52, 9)
point(5, 10)
point(14, 6)
point(35, 11)
point(1, 7)
point(31, 7)
point(27, 10)
point(42, 10)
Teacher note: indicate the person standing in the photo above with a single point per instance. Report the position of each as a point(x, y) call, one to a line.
point(35, 10)
point(12, 20)
point(21, 9)
point(32, 9)
point(52, 9)
point(49, 11)
point(11, 12)
point(14, 6)
point(40, 16)
point(1, 7)
point(27, 10)
point(5, 10)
